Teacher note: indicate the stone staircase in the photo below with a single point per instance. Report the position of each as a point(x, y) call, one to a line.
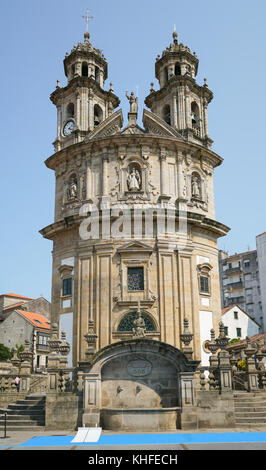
point(250, 409)
point(24, 415)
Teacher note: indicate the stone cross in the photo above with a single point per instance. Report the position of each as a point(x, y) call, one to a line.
point(87, 17)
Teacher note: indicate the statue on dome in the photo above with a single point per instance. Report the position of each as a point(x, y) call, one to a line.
point(133, 101)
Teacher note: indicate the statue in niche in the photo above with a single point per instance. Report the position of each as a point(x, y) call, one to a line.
point(133, 101)
point(72, 190)
point(134, 180)
point(195, 186)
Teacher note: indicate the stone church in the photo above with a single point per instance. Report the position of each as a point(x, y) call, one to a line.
point(135, 258)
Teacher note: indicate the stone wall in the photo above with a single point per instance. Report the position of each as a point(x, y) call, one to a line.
point(10, 397)
point(211, 410)
point(63, 411)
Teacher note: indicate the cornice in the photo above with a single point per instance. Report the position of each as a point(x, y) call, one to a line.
point(179, 81)
point(207, 225)
point(120, 140)
point(83, 82)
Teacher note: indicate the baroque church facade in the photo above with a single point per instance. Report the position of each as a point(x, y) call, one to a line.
point(140, 287)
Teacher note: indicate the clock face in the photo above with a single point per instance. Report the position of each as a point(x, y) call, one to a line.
point(68, 128)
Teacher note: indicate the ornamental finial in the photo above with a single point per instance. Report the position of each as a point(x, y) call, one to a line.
point(175, 35)
point(87, 17)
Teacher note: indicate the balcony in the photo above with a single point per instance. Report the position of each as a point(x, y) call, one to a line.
point(229, 271)
point(42, 347)
point(235, 285)
point(234, 300)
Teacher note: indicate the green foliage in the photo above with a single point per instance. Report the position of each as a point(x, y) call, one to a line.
point(234, 340)
point(19, 349)
point(5, 353)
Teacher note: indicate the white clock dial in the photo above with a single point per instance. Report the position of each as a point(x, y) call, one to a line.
point(68, 128)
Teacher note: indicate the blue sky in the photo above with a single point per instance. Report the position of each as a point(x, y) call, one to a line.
point(229, 38)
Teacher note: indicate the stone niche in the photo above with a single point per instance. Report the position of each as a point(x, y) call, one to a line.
point(139, 381)
point(139, 392)
point(135, 385)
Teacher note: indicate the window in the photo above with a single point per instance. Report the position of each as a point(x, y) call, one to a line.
point(98, 115)
point(204, 285)
point(236, 315)
point(177, 69)
point(238, 332)
point(167, 114)
point(126, 324)
point(226, 330)
point(84, 71)
point(229, 265)
point(135, 279)
point(195, 114)
point(67, 286)
point(246, 263)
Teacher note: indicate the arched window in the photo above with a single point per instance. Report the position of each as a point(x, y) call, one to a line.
point(98, 115)
point(70, 110)
point(195, 114)
point(167, 114)
point(177, 69)
point(84, 69)
point(126, 324)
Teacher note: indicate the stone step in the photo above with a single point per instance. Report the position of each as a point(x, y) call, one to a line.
point(30, 402)
point(20, 412)
point(25, 422)
point(252, 414)
point(15, 406)
point(22, 417)
point(246, 409)
point(11, 427)
point(250, 420)
point(249, 402)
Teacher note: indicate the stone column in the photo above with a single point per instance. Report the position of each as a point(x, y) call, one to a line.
point(78, 110)
point(181, 109)
point(187, 110)
point(105, 197)
point(186, 380)
point(91, 111)
point(225, 370)
point(25, 369)
point(205, 117)
point(53, 360)
point(174, 107)
point(251, 367)
point(163, 174)
point(180, 176)
point(59, 121)
point(91, 400)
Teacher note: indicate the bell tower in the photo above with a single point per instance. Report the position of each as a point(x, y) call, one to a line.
point(180, 101)
point(83, 104)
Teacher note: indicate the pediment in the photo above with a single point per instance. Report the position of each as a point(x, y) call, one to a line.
point(153, 124)
point(135, 246)
point(133, 130)
point(109, 126)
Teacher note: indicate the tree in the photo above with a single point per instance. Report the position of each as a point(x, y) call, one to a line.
point(5, 353)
